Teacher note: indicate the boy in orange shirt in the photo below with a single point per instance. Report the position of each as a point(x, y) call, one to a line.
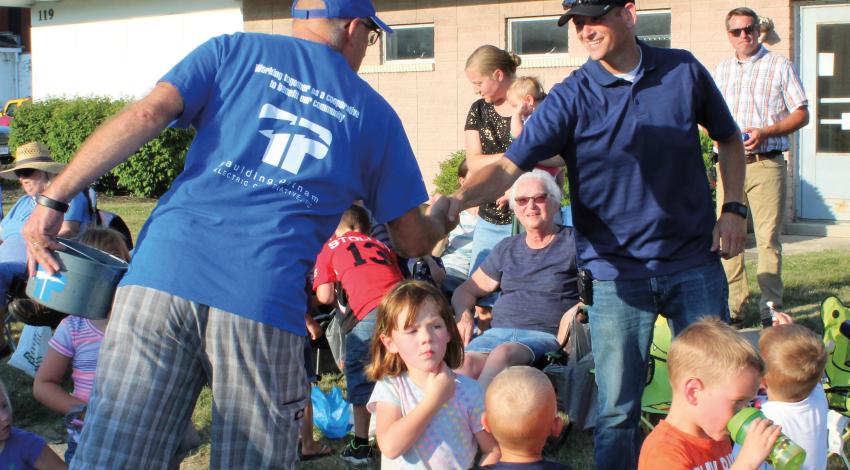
point(714, 373)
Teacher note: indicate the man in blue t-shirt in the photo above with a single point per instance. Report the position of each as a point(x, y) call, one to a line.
point(627, 125)
point(287, 137)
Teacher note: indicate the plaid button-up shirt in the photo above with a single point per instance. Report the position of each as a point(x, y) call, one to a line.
point(760, 92)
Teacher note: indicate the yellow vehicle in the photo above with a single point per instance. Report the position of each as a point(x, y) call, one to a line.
point(9, 109)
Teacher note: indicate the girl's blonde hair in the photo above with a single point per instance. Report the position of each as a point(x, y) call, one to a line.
point(528, 86)
point(487, 59)
point(106, 239)
point(410, 296)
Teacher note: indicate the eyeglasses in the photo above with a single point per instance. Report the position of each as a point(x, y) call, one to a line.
point(374, 30)
point(750, 30)
point(25, 172)
point(523, 200)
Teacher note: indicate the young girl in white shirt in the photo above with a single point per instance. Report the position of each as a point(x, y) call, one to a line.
point(427, 416)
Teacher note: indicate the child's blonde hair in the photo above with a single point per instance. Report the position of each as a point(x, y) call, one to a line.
point(528, 86)
point(520, 403)
point(794, 359)
point(410, 296)
point(105, 239)
point(711, 351)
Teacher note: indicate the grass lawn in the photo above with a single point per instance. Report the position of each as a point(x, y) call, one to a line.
point(808, 279)
point(134, 211)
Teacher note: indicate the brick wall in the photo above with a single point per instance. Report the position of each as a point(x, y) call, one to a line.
point(433, 104)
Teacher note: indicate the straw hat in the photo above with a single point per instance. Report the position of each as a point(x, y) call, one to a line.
point(35, 156)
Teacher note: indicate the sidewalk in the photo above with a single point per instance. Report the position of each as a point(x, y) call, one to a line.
point(798, 244)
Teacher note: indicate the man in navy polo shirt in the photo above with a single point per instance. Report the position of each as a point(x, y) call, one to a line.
point(627, 125)
point(287, 137)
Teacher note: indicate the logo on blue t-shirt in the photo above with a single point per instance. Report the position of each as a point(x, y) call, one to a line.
point(292, 148)
point(46, 285)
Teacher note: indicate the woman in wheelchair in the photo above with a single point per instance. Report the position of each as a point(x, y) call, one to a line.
point(536, 272)
point(33, 168)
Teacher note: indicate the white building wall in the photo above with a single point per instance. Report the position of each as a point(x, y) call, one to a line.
point(119, 48)
point(24, 76)
point(10, 59)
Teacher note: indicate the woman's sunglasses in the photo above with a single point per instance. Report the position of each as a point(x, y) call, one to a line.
point(25, 172)
point(539, 199)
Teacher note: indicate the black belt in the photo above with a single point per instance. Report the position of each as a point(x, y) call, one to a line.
point(757, 157)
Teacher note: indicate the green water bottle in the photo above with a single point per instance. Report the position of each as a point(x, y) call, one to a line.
point(785, 455)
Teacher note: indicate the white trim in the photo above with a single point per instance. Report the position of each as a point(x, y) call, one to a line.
point(399, 66)
point(830, 121)
point(834, 100)
point(660, 11)
point(551, 60)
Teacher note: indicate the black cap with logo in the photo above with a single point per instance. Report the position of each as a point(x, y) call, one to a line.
point(592, 8)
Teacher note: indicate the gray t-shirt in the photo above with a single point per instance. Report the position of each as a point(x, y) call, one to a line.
point(538, 286)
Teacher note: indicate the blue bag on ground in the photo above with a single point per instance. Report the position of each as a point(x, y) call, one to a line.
point(330, 412)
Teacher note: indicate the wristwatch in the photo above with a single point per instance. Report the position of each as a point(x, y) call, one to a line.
point(45, 201)
point(735, 208)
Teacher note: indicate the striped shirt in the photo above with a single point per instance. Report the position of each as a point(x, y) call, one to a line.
point(78, 339)
point(760, 92)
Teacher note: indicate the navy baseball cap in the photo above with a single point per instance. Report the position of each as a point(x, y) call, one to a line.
point(341, 9)
point(591, 8)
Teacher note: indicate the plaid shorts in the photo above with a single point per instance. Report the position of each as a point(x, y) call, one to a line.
point(159, 351)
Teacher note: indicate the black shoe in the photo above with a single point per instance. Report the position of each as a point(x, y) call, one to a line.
point(358, 455)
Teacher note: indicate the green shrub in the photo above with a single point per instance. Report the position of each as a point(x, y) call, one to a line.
point(63, 124)
point(707, 148)
point(150, 171)
point(32, 122)
point(74, 120)
point(446, 179)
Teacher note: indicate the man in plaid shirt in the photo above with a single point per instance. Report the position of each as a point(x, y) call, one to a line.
point(764, 94)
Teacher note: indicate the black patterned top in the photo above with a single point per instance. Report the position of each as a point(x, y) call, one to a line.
point(495, 133)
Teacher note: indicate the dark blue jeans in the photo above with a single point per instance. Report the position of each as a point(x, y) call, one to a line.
point(358, 346)
point(621, 325)
point(70, 451)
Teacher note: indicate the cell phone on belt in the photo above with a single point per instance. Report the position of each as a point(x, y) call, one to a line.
point(585, 286)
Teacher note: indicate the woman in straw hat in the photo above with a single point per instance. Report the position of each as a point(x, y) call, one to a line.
point(33, 168)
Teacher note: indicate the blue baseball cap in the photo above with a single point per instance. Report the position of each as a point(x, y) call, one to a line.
point(341, 9)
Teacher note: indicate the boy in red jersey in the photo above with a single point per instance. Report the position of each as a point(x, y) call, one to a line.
point(367, 270)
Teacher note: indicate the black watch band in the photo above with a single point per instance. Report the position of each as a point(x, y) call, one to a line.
point(735, 208)
point(45, 201)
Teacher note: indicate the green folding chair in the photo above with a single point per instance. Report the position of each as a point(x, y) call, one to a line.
point(657, 395)
point(837, 386)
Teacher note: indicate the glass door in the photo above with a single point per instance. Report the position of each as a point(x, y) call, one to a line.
point(824, 177)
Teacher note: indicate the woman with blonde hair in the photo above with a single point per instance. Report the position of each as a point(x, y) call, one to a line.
point(487, 134)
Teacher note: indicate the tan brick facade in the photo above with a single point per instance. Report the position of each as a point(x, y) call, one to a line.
point(433, 104)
